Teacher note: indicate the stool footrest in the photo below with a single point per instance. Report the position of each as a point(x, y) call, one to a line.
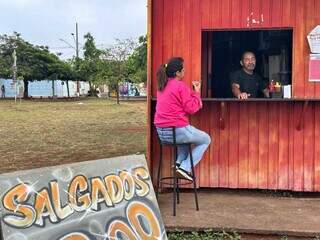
point(165, 181)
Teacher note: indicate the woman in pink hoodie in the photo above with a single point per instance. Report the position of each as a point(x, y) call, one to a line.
point(175, 101)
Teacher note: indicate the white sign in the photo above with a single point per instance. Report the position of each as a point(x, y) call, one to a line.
point(314, 40)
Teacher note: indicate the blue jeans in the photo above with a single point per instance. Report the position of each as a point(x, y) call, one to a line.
point(188, 134)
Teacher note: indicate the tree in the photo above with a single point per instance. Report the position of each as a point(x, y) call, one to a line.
point(34, 62)
point(89, 67)
point(137, 62)
point(116, 67)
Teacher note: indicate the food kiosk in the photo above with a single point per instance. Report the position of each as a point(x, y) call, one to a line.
point(261, 143)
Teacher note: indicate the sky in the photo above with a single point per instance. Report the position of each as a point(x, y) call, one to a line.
point(46, 22)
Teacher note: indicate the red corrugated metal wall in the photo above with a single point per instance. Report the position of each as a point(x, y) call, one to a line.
point(260, 146)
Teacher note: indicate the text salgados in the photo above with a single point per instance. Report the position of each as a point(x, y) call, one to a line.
point(83, 195)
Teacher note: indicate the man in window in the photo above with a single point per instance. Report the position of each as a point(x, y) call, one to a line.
point(246, 83)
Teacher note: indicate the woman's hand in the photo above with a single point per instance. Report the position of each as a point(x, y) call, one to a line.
point(196, 86)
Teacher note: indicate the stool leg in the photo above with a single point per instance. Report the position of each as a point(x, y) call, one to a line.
point(159, 172)
point(194, 178)
point(174, 182)
point(178, 191)
point(175, 167)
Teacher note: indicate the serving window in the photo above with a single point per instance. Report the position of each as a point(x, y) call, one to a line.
point(222, 51)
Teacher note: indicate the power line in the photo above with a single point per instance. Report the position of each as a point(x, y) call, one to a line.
point(60, 48)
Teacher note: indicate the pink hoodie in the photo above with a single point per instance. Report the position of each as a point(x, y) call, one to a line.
point(174, 104)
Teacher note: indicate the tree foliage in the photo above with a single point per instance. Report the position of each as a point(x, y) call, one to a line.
point(90, 65)
point(126, 60)
point(116, 57)
point(137, 62)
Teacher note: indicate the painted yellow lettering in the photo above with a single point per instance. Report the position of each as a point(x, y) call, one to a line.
point(44, 208)
point(128, 184)
point(98, 189)
point(115, 188)
point(136, 209)
point(79, 185)
point(62, 212)
point(22, 215)
point(141, 176)
point(75, 236)
point(119, 227)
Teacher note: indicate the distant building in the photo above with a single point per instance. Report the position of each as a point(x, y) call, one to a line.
point(44, 88)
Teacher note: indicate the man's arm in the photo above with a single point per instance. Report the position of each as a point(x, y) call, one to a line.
point(235, 89)
point(237, 93)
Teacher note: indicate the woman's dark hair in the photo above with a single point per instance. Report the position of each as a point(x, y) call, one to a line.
point(168, 70)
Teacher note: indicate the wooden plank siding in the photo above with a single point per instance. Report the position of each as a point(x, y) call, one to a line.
point(260, 146)
point(149, 76)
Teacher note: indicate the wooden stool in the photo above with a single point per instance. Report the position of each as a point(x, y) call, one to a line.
point(174, 176)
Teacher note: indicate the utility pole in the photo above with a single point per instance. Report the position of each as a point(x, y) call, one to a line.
point(77, 56)
point(14, 68)
point(77, 41)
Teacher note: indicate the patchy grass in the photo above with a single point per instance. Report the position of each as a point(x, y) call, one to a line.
point(36, 134)
point(206, 235)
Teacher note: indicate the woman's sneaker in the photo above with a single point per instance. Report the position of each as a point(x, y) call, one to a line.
point(177, 166)
point(184, 174)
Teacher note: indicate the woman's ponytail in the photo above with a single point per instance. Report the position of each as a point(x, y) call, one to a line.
point(162, 77)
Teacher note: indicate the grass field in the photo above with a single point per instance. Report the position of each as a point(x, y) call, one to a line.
point(36, 134)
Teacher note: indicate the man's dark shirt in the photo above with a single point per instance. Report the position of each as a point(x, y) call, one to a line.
point(252, 84)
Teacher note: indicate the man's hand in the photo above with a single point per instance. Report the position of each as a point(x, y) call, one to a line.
point(243, 95)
